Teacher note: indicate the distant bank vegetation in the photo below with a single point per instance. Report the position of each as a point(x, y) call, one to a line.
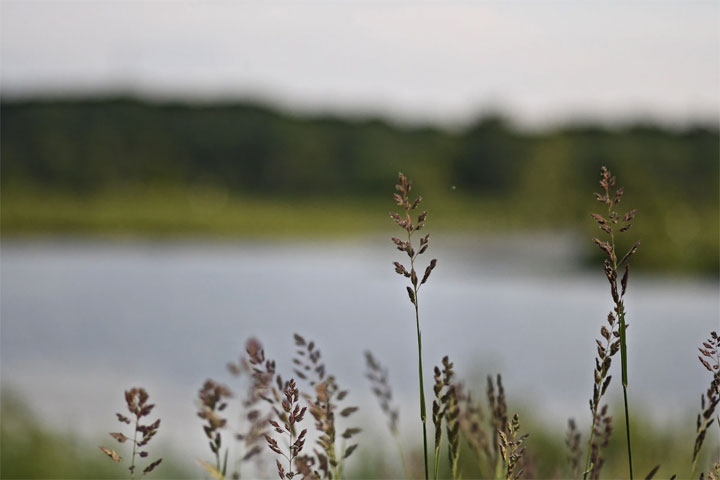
point(107, 165)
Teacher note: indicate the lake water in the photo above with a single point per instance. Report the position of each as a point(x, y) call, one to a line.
point(81, 321)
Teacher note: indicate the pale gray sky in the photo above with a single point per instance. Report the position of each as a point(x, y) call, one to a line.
point(439, 61)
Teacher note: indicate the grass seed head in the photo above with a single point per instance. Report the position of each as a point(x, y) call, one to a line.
point(404, 221)
point(380, 384)
point(136, 400)
point(710, 359)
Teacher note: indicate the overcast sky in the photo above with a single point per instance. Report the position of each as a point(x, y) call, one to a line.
point(439, 61)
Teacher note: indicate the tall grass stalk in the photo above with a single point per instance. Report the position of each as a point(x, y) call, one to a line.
point(405, 222)
point(423, 413)
point(608, 225)
point(212, 397)
point(137, 404)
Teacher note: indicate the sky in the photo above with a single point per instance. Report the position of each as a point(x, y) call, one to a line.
point(540, 62)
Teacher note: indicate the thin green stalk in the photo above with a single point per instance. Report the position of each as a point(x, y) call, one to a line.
point(623, 364)
point(694, 466)
point(337, 468)
point(623, 361)
point(423, 414)
point(290, 449)
point(455, 475)
point(588, 467)
point(627, 431)
point(132, 464)
point(341, 463)
point(499, 462)
point(623, 349)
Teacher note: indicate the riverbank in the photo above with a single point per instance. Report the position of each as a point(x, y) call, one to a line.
point(674, 239)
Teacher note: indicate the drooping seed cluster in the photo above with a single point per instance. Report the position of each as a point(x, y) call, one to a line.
point(498, 409)
point(405, 221)
point(261, 376)
point(710, 359)
point(293, 414)
point(713, 474)
point(605, 352)
point(609, 225)
point(212, 397)
point(380, 384)
point(267, 384)
point(508, 447)
point(572, 442)
point(307, 361)
point(323, 408)
point(445, 407)
point(615, 336)
point(282, 415)
point(488, 442)
point(602, 430)
point(512, 448)
point(138, 406)
point(601, 421)
point(471, 421)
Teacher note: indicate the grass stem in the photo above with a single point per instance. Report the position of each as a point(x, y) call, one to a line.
point(627, 431)
point(623, 362)
point(404, 221)
point(423, 414)
point(132, 464)
point(615, 222)
point(589, 467)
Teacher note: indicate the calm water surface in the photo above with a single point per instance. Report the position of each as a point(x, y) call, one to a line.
point(81, 321)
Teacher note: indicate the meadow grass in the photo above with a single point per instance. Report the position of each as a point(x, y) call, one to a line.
point(615, 337)
point(407, 223)
point(34, 450)
point(293, 417)
point(491, 432)
point(138, 407)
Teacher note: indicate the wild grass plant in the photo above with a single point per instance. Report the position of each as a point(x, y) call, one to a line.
point(212, 397)
point(445, 408)
point(710, 359)
point(405, 221)
point(139, 408)
point(616, 336)
point(301, 425)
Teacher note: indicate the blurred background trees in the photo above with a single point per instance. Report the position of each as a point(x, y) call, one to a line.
point(82, 149)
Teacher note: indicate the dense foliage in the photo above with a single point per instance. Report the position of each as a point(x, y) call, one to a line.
point(87, 147)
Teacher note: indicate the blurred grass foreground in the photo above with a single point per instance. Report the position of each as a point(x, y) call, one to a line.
point(32, 450)
point(120, 166)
